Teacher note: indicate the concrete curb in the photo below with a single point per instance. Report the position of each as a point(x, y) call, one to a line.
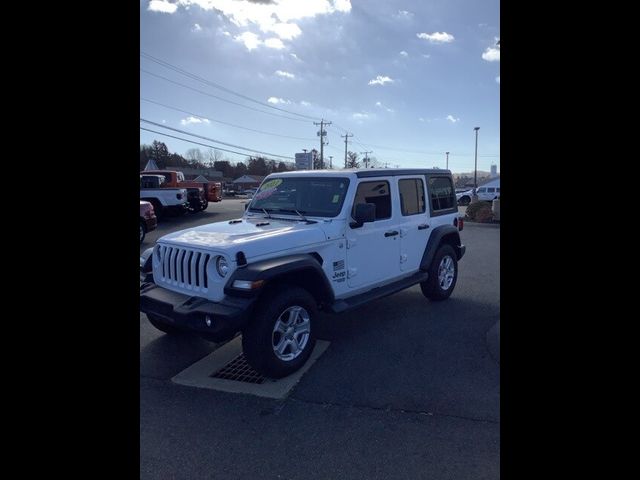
point(493, 341)
point(468, 223)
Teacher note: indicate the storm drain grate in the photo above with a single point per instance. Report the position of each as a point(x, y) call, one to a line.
point(239, 370)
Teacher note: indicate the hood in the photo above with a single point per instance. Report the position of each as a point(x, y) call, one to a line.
point(255, 236)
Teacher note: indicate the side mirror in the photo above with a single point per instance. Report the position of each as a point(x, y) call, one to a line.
point(365, 213)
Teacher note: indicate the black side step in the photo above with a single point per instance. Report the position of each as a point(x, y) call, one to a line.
point(340, 306)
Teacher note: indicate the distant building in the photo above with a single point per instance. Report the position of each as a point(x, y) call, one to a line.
point(248, 181)
point(494, 171)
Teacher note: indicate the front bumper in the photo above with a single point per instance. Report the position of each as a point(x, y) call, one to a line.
point(190, 313)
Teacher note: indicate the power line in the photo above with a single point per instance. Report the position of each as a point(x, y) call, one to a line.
point(216, 85)
point(224, 123)
point(191, 141)
point(214, 140)
point(220, 98)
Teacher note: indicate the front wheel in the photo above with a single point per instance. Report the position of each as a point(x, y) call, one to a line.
point(443, 274)
point(280, 338)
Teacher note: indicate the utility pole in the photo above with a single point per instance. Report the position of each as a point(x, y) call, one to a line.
point(475, 171)
point(346, 139)
point(330, 162)
point(366, 158)
point(447, 160)
point(321, 134)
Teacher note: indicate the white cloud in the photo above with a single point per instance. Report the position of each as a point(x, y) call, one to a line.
point(275, 16)
point(274, 43)
point(196, 27)
point(189, 120)
point(305, 104)
point(287, 31)
point(403, 15)
point(498, 79)
point(452, 119)
point(282, 73)
point(360, 116)
point(437, 37)
point(380, 105)
point(381, 80)
point(404, 54)
point(293, 55)
point(162, 6)
point(226, 34)
point(491, 54)
point(421, 119)
point(277, 100)
point(426, 55)
point(249, 39)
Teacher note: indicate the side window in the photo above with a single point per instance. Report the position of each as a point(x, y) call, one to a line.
point(482, 190)
point(411, 196)
point(377, 193)
point(491, 190)
point(498, 189)
point(442, 193)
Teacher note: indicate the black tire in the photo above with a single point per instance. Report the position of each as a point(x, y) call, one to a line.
point(259, 336)
point(432, 288)
point(143, 231)
point(162, 325)
point(206, 204)
point(157, 208)
point(464, 201)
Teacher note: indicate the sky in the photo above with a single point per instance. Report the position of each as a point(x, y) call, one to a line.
point(410, 79)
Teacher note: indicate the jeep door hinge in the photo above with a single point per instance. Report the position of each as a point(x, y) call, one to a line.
point(352, 272)
point(351, 242)
point(403, 258)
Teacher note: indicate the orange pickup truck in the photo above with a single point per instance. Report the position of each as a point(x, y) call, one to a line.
point(175, 179)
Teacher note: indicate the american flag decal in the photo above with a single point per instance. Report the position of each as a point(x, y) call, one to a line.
point(339, 265)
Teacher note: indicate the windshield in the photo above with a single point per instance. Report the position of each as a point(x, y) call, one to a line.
point(319, 197)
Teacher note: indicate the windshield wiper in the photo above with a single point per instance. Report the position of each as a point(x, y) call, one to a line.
point(266, 212)
point(302, 217)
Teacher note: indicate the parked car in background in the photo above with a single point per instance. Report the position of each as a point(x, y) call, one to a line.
point(148, 219)
point(485, 193)
point(164, 200)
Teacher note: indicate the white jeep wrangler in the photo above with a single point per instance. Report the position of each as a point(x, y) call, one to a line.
point(308, 241)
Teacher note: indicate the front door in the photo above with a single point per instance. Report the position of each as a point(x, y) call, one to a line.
point(373, 250)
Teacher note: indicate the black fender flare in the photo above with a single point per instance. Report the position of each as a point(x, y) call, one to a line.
point(299, 265)
point(446, 233)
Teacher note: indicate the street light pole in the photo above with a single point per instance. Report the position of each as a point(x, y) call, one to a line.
point(475, 171)
point(447, 160)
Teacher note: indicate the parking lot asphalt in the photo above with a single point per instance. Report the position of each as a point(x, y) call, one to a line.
point(407, 389)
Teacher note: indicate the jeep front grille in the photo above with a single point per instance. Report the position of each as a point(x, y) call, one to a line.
point(182, 267)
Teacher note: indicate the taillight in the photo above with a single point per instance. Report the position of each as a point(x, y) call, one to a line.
point(460, 223)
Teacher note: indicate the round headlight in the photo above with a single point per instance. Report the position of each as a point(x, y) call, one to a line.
point(222, 266)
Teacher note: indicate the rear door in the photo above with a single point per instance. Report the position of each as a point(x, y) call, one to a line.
point(413, 221)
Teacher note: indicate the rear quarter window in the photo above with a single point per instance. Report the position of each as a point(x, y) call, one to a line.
point(442, 198)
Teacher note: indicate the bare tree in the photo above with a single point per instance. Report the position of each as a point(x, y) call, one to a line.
point(352, 160)
point(214, 155)
point(194, 155)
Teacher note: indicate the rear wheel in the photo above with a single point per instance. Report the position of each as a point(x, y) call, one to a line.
point(443, 274)
point(280, 338)
point(162, 325)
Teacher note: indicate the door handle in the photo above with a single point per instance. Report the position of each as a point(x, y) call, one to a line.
point(392, 233)
point(423, 226)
